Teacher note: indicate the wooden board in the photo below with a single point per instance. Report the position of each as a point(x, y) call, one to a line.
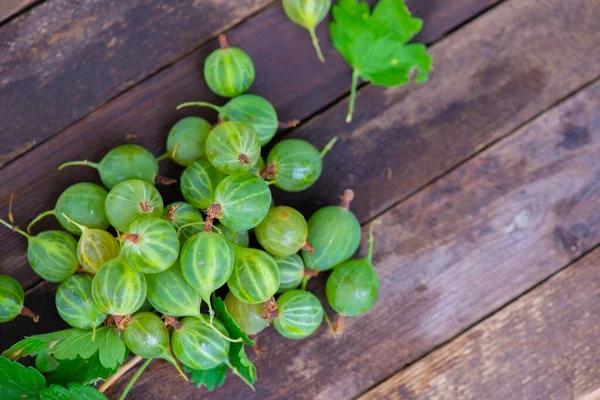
point(286, 77)
point(10, 8)
point(543, 346)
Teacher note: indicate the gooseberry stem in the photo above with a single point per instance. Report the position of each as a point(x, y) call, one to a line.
point(304, 282)
point(328, 147)
point(69, 220)
point(214, 328)
point(315, 42)
point(187, 225)
point(84, 163)
point(123, 369)
point(163, 156)
point(134, 378)
point(355, 74)
point(347, 199)
point(328, 322)
point(223, 42)
point(200, 104)
point(15, 229)
point(370, 254)
point(288, 124)
point(39, 217)
point(236, 372)
point(26, 312)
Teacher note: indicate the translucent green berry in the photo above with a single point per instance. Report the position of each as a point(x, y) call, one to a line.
point(255, 277)
point(241, 238)
point(233, 147)
point(12, 298)
point(170, 294)
point(199, 182)
point(75, 305)
point(291, 270)
point(283, 232)
point(308, 14)
point(185, 218)
point(228, 71)
point(95, 247)
point(186, 140)
point(299, 314)
point(246, 316)
point(132, 200)
point(118, 288)
point(196, 345)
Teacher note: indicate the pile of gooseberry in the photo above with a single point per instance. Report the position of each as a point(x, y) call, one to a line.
point(127, 260)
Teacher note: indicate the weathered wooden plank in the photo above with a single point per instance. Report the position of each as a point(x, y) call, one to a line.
point(291, 78)
point(448, 256)
point(543, 346)
point(65, 58)
point(10, 8)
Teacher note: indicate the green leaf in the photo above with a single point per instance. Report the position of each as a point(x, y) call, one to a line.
point(18, 382)
point(107, 343)
point(75, 391)
point(45, 363)
point(223, 315)
point(80, 370)
point(33, 345)
point(211, 378)
point(375, 45)
point(241, 365)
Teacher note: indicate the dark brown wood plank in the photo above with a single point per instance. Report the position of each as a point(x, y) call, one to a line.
point(65, 58)
point(10, 8)
point(543, 346)
point(291, 78)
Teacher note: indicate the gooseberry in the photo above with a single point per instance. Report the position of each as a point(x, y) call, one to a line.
point(308, 14)
point(283, 232)
point(255, 277)
point(185, 218)
point(232, 147)
point(241, 238)
point(186, 140)
point(246, 316)
point(228, 71)
point(75, 304)
point(12, 298)
point(170, 294)
point(199, 182)
point(131, 200)
point(292, 272)
point(299, 313)
point(196, 345)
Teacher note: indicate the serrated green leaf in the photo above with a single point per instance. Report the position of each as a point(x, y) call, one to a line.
point(241, 365)
point(107, 343)
point(18, 382)
point(79, 370)
point(30, 346)
point(211, 378)
point(75, 391)
point(375, 45)
point(223, 315)
point(45, 363)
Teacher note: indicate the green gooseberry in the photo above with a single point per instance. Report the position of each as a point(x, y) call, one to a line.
point(186, 140)
point(199, 182)
point(125, 162)
point(198, 346)
point(295, 164)
point(353, 286)
point(170, 294)
point(308, 14)
point(146, 336)
point(299, 313)
point(255, 277)
point(75, 305)
point(185, 218)
point(95, 247)
point(207, 261)
point(283, 232)
point(241, 202)
point(228, 71)
point(258, 167)
point(251, 109)
point(233, 147)
point(334, 234)
point(131, 200)
point(51, 254)
point(83, 203)
point(241, 238)
point(12, 298)
point(291, 270)
point(248, 317)
point(119, 289)
point(151, 245)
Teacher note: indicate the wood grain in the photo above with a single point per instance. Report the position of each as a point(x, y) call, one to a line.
point(291, 78)
point(65, 58)
point(543, 346)
point(10, 8)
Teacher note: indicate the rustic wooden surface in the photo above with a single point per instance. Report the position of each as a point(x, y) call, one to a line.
point(10, 8)
point(456, 243)
point(543, 346)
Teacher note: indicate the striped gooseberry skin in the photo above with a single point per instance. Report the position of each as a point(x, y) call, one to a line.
point(352, 287)
point(255, 277)
point(199, 182)
point(283, 231)
point(244, 199)
point(53, 255)
point(255, 111)
point(84, 203)
point(118, 288)
point(233, 147)
point(334, 234)
point(131, 200)
point(151, 245)
point(147, 336)
point(196, 345)
point(260, 164)
point(300, 314)
point(186, 140)
point(126, 162)
point(228, 71)
point(241, 238)
point(308, 14)
point(95, 248)
point(75, 305)
point(291, 270)
point(170, 294)
point(207, 261)
point(179, 214)
point(246, 316)
point(297, 164)
point(12, 298)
